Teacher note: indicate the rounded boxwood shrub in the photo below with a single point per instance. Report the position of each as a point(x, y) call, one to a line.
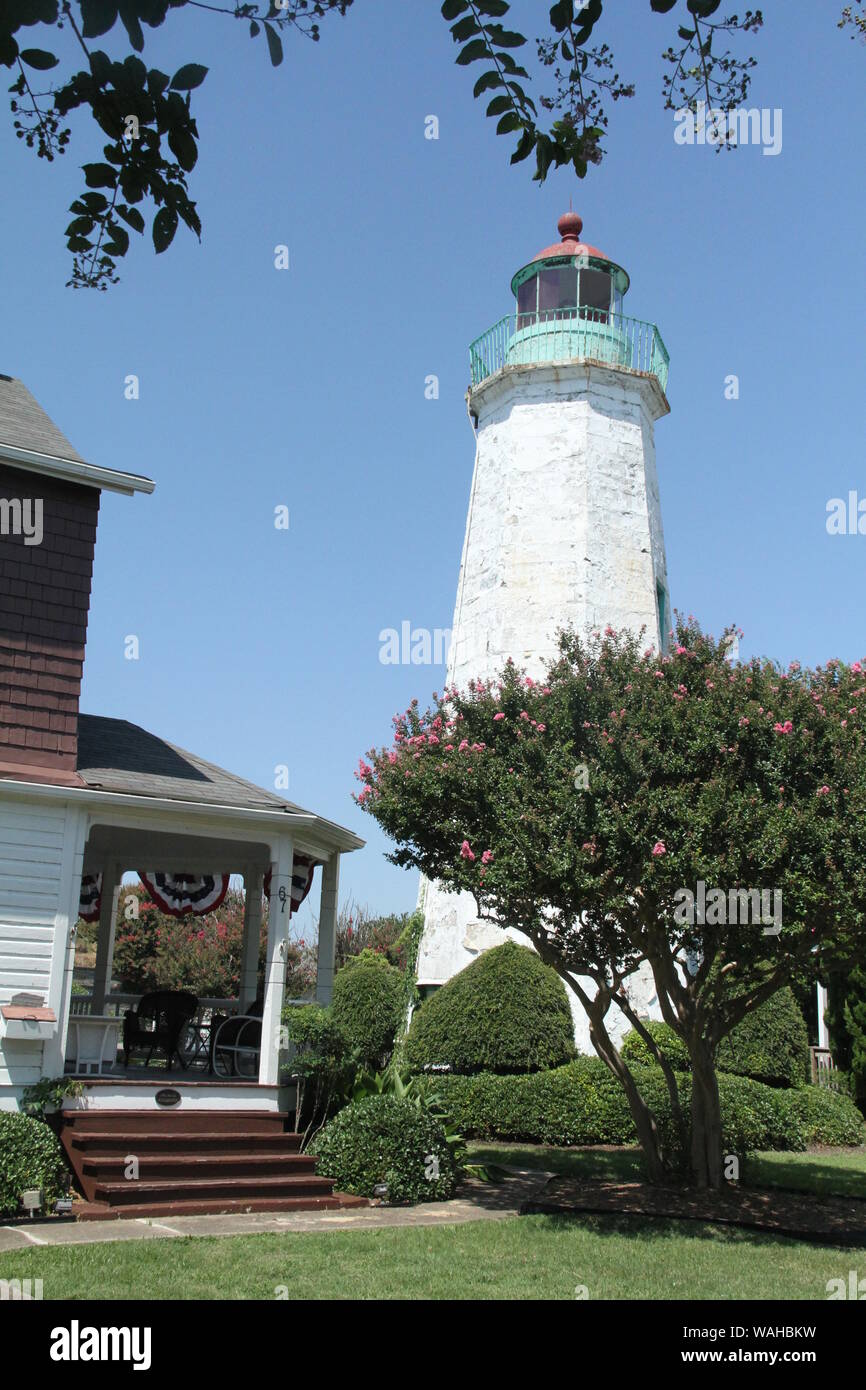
point(368, 1006)
point(770, 1045)
point(30, 1156)
point(582, 1103)
point(635, 1051)
point(506, 1012)
point(826, 1117)
point(386, 1140)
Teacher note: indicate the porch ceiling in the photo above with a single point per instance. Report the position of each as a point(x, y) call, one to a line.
point(170, 852)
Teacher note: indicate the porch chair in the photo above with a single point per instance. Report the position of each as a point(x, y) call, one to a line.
point(236, 1042)
point(157, 1023)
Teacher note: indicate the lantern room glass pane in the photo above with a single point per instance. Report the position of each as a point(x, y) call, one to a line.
point(557, 290)
point(527, 294)
point(595, 295)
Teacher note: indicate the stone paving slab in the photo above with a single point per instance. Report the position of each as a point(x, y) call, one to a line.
point(477, 1202)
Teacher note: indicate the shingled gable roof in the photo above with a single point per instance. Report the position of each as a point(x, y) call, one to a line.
point(30, 439)
point(116, 756)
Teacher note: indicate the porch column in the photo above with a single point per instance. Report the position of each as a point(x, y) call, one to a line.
point(111, 876)
point(327, 928)
point(823, 1035)
point(252, 931)
point(279, 917)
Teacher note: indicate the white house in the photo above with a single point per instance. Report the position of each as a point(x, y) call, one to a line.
point(86, 798)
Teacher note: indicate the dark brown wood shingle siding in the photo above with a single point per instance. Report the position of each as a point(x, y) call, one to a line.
point(44, 602)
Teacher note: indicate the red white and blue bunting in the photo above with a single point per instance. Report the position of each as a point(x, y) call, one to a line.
point(180, 895)
point(90, 901)
point(302, 880)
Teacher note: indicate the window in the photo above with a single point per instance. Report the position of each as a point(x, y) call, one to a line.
point(527, 300)
point(595, 295)
point(557, 290)
point(661, 600)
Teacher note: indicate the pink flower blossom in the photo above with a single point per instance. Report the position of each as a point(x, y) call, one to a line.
point(465, 851)
point(498, 716)
point(785, 728)
point(487, 856)
point(823, 791)
point(659, 847)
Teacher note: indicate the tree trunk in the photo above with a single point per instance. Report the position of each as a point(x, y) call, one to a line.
point(706, 1147)
point(647, 1131)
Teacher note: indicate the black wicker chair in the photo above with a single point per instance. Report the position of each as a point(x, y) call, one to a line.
point(157, 1023)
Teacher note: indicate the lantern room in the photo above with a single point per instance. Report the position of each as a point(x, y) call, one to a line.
point(569, 279)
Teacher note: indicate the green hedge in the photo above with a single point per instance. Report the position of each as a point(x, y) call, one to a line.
point(386, 1140)
point(368, 1006)
point(30, 1156)
point(506, 1012)
point(771, 1045)
point(582, 1103)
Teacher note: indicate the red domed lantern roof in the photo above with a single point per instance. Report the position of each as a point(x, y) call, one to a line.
point(570, 226)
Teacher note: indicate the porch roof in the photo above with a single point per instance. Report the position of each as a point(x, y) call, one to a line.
point(118, 757)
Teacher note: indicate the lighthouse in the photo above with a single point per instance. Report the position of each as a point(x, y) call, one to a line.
point(564, 527)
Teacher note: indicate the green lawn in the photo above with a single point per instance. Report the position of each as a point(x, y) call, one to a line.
point(531, 1257)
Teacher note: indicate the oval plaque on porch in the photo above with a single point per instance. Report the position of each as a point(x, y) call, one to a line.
point(167, 1096)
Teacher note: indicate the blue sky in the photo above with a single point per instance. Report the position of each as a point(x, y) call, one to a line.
point(306, 387)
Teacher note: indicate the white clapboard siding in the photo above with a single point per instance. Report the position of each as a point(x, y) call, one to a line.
point(31, 860)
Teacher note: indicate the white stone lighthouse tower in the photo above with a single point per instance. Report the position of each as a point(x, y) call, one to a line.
point(564, 525)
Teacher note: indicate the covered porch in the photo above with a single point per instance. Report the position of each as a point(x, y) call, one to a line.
point(158, 811)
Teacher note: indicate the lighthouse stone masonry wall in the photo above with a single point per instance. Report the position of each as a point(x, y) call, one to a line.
point(564, 528)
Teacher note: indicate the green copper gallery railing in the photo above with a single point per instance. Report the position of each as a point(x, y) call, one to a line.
point(569, 335)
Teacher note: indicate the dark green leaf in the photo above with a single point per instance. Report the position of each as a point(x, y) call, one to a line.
point(92, 203)
point(472, 52)
point(452, 8)
point(496, 8)
point(254, 28)
point(157, 82)
point(490, 79)
point(99, 175)
point(80, 226)
point(119, 243)
point(164, 228)
point(183, 147)
point(524, 147)
point(685, 33)
point(505, 38)
point(662, 6)
point(189, 76)
point(510, 121)
point(98, 17)
point(275, 45)
point(79, 243)
point(131, 216)
point(561, 15)
point(129, 20)
point(38, 58)
point(465, 28)
point(498, 105)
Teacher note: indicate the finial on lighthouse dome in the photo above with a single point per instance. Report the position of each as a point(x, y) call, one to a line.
point(570, 226)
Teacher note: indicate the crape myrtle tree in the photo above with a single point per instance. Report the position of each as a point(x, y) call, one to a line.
point(81, 56)
point(585, 808)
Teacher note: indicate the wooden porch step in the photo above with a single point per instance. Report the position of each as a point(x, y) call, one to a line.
point(144, 1192)
point(101, 1211)
point(158, 1167)
point(110, 1142)
point(128, 1122)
